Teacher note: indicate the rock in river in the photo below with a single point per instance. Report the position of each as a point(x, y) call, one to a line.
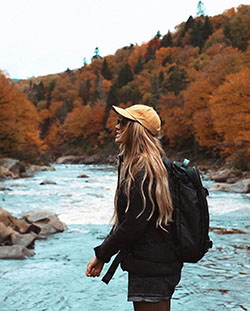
point(15, 252)
point(226, 175)
point(241, 186)
point(18, 235)
point(47, 222)
point(47, 182)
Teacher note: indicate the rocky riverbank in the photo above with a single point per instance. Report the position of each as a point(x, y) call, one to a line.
point(18, 235)
point(85, 159)
point(229, 180)
point(225, 178)
point(13, 168)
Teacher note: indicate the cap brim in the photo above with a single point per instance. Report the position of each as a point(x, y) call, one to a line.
point(122, 112)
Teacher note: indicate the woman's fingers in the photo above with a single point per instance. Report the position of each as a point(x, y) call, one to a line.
point(92, 272)
point(94, 267)
point(89, 270)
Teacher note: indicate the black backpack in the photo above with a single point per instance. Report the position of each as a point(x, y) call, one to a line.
point(190, 214)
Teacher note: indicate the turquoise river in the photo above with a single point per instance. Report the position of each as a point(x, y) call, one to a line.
point(54, 279)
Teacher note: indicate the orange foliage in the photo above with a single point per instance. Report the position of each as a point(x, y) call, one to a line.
point(111, 122)
point(175, 127)
point(106, 85)
point(96, 117)
point(169, 52)
point(229, 13)
point(76, 123)
point(65, 89)
point(208, 110)
point(83, 122)
point(216, 38)
point(137, 51)
point(91, 77)
point(187, 54)
point(231, 112)
point(143, 82)
point(18, 121)
point(221, 61)
point(54, 137)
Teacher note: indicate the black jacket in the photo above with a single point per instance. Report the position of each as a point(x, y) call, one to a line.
point(147, 250)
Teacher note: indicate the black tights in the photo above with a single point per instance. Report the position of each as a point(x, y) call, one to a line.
point(152, 306)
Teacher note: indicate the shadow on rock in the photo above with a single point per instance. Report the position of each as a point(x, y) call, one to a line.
point(18, 235)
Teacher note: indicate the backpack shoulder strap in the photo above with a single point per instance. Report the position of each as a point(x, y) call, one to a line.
point(167, 162)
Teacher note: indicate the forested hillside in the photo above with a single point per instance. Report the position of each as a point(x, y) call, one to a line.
point(197, 78)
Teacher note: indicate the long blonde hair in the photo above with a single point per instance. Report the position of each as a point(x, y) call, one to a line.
point(141, 150)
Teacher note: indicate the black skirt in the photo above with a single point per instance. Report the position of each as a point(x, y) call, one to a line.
point(151, 289)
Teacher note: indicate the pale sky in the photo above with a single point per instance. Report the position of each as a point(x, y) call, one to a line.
point(40, 37)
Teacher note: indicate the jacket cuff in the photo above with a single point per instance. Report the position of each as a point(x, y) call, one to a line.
point(100, 256)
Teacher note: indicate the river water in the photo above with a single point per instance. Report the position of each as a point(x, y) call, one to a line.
point(54, 279)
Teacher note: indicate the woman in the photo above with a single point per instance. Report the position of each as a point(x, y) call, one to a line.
point(142, 233)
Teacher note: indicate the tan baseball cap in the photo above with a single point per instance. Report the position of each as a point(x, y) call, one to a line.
point(143, 114)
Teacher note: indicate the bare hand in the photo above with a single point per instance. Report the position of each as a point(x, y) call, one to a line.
point(94, 267)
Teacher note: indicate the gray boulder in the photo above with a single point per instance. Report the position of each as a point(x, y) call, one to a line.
point(70, 159)
point(15, 252)
point(47, 222)
point(6, 173)
point(12, 168)
point(25, 240)
point(93, 159)
point(32, 169)
point(17, 235)
point(8, 163)
point(15, 166)
point(229, 175)
point(241, 186)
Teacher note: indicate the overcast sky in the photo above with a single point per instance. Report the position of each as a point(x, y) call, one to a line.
point(40, 37)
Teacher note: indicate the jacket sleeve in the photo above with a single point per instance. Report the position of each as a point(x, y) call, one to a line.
point(129, 231)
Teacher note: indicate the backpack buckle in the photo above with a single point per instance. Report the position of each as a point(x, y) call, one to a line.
point(185, 162)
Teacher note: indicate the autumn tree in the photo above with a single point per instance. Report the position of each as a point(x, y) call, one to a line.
point(231, 114)
point(237, 33)
point(130, 93)
point(84, 91)
point(198, 116)
point(177, 79)
point(184, 29)
point(152, 46)
point(19, 135)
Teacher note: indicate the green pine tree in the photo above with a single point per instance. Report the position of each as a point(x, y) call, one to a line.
point(138, 65)
point(125, 75)
point(106, 73)
point(167, 40)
